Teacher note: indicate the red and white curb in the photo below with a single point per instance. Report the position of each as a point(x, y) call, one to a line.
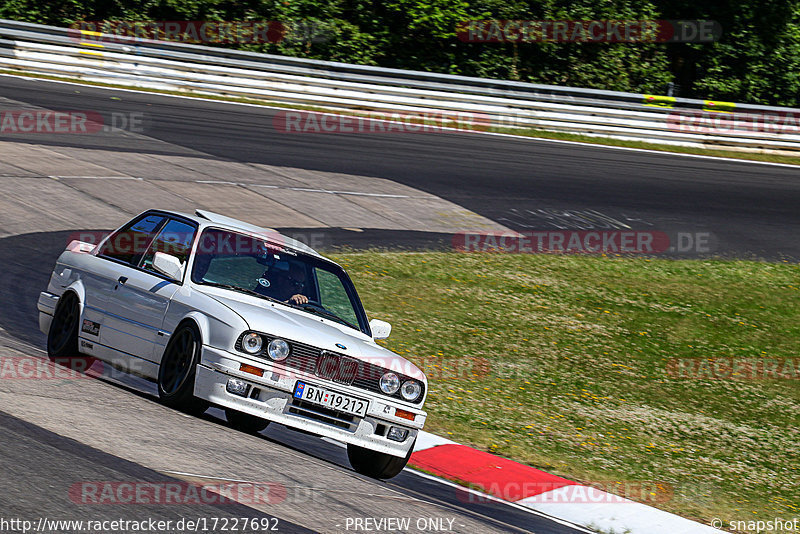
point(543, 492)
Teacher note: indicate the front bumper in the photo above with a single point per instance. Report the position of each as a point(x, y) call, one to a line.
point(270, 397)
point(47, 308)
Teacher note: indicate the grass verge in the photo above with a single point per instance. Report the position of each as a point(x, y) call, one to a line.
point(563, 363)
point(525, 132)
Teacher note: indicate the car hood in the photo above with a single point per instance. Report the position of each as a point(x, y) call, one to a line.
point(296, 325)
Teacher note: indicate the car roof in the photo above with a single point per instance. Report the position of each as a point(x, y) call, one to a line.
point(209, 218)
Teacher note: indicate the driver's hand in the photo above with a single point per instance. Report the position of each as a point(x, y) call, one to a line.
point(298, 299)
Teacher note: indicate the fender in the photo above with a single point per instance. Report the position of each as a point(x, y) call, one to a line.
point(46, 317)
point(197, 318)
point(80, 292)
point(220, 338)
point(214, 331)
point(202, 324)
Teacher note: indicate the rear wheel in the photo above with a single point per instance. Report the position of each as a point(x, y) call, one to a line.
point(376, 464)
point(62, 338)
point(177, 371)
point(245, 422)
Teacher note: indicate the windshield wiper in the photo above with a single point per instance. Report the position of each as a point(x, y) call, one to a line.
point(243, 290)
point(326, 313)
point(304, 307)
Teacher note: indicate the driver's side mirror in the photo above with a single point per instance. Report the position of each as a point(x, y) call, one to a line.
point(168, 265)
point(380, 329)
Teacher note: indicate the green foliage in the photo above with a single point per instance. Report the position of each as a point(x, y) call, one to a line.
point(756, 60)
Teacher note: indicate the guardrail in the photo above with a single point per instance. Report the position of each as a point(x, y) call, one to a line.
point(167, 65)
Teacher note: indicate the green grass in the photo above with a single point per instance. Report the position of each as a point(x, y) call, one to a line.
point(526, 132)
point(561, 362)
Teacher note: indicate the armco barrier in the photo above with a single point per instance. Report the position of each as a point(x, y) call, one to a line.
point(74, 53)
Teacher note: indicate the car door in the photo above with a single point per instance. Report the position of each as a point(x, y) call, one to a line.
point(122, 249)
point(137, 304)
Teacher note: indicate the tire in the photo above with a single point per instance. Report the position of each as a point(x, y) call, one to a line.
point(376, 464)
point(244, 422)
point(62, 338)
point(177, 371)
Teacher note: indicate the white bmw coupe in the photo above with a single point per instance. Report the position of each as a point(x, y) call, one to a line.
point(220, 312)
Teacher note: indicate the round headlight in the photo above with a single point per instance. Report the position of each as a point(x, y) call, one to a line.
point(390, 383)
point(278, 349)
point(411, 390)
point(251, 343)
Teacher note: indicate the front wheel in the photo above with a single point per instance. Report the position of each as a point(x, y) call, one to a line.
point(244, 422)
point(376, 464)
point(177, 371)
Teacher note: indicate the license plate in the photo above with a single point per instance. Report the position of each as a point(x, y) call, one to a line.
point(330, 399)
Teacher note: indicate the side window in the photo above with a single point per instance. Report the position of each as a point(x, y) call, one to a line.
point(333, 296)
point(129, 243)
point(175, 238)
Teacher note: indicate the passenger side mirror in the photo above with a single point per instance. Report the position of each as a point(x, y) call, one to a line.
point(380, 329)
point(168, 265)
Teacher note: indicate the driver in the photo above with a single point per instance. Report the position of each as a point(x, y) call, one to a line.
point(289, 286)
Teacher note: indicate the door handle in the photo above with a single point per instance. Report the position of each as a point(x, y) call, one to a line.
point(121, 280)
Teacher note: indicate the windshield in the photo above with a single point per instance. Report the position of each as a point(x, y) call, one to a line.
point(241, 263)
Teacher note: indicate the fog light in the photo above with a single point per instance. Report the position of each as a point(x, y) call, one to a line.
point(237, 387)
point(397, 434)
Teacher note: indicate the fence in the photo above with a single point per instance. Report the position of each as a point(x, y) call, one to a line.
point(74, 53)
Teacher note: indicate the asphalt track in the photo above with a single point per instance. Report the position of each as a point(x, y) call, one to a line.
point(33, 458)
point(39, 465)
point(750, 209)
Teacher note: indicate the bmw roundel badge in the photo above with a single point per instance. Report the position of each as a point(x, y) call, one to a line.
point(341, 346)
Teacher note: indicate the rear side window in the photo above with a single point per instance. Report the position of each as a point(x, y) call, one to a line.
point(130, 243)
point(175, 238)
